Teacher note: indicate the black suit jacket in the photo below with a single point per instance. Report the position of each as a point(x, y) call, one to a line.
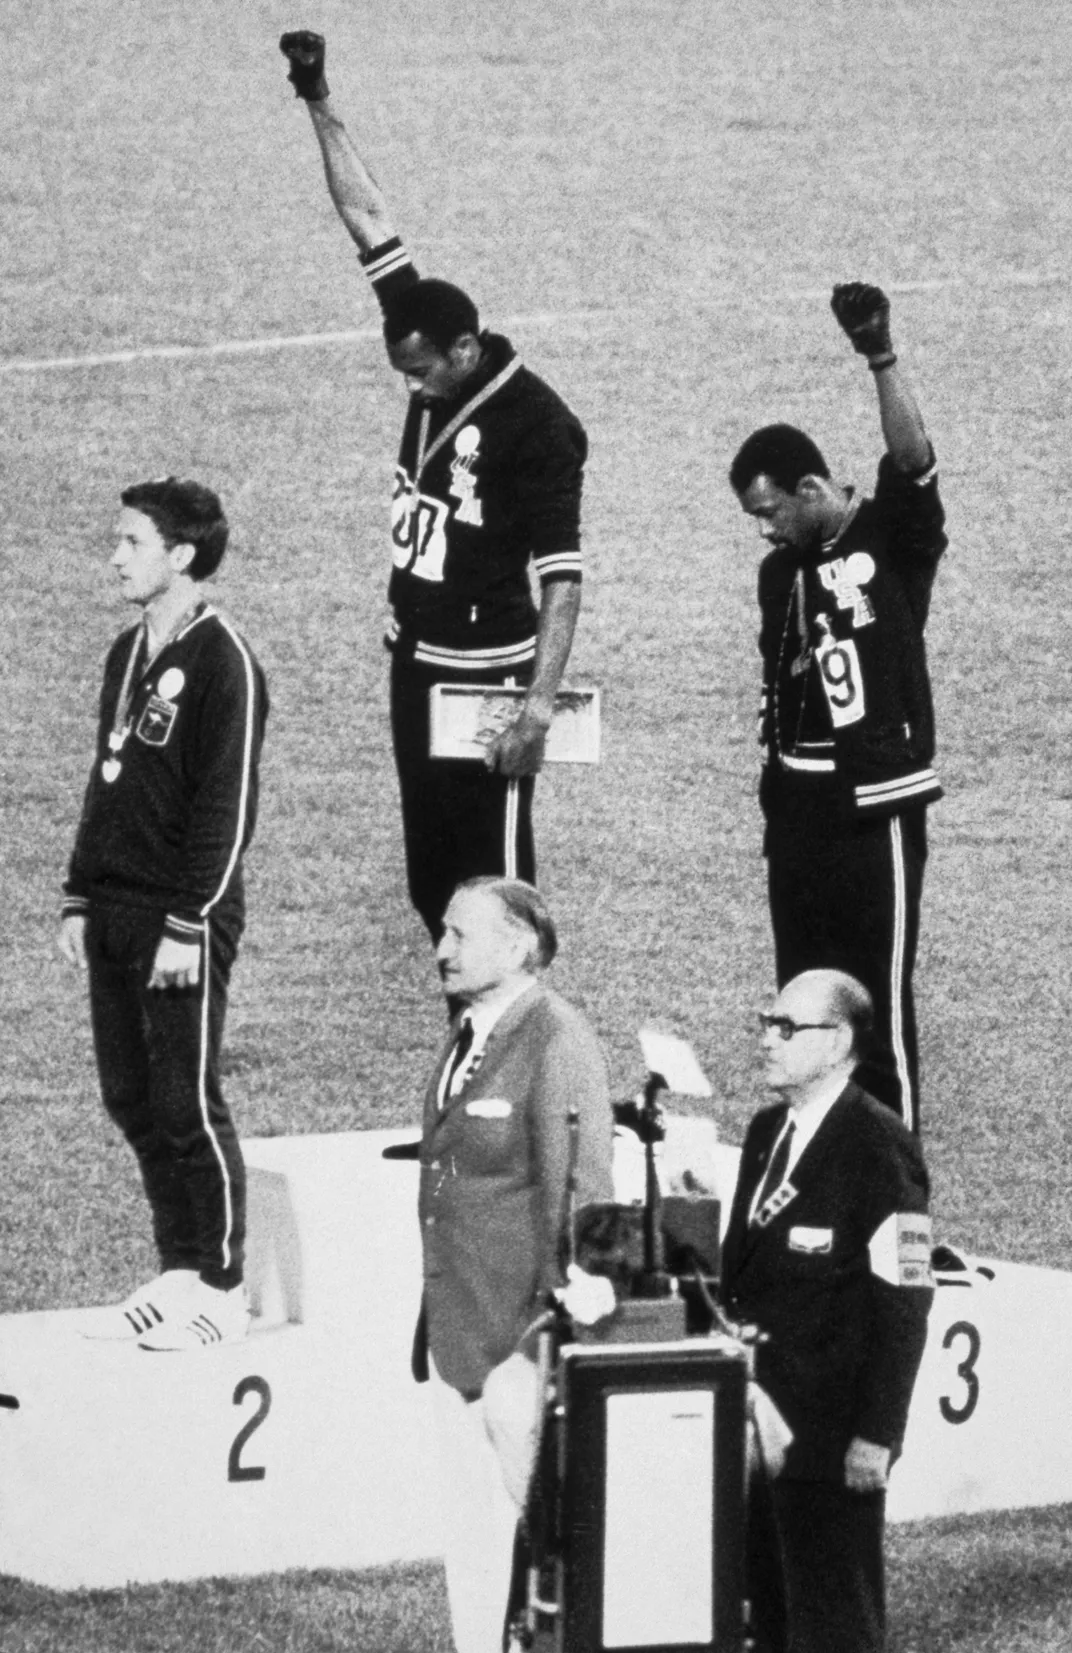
point(843, 1342)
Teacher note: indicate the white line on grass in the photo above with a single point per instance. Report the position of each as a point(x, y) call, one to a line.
point(1010, 278)
point(241, 347)
point(361, 335)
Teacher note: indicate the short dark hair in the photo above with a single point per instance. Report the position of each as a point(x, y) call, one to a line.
point(525, 906)
point(780, 452)
point(437, 310)
point(185, 513)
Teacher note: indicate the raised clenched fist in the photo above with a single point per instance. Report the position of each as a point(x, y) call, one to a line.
point(305, 51)
point(863, 313)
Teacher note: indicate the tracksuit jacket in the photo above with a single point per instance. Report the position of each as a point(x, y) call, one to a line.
point(484, 485)
point(847, 710)
point(169, 829)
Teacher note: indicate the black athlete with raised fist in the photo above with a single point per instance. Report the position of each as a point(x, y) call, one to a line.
point(488, 484)
point(847, 724)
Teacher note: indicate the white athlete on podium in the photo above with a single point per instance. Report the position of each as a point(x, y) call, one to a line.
point(153, 906)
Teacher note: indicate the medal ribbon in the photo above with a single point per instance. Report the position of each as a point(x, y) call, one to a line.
point(426, 455)
point(120, 723)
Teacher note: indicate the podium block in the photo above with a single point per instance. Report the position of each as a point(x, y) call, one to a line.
point(307, 1445)
point(989, 1426)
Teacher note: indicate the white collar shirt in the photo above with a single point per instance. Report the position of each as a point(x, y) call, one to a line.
point(810, 1116)
point(482, 1018)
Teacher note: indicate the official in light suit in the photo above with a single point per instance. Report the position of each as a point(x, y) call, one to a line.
point(828, 1252)
point(517, 1131)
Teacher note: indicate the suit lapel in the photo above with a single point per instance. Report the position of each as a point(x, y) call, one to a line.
point(497, 1041)
point(742, 1237)
point(810, 1163)
point(818, 1149)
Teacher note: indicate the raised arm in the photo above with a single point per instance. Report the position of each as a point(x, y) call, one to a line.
point(358, 198)
point(863, 313)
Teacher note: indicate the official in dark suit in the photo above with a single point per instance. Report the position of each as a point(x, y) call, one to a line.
point(517, 1129)
point(828, 1252)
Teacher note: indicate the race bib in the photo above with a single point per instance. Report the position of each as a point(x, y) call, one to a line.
point(418, 532)
point(840, 675)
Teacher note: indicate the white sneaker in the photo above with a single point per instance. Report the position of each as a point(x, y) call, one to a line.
point(144, 1310)
point(208, 1317)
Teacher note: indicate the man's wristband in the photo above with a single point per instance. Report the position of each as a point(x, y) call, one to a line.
point(879, 364)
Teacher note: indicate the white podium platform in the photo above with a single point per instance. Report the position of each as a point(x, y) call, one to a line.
point(309, 1445)
point(990, 1425)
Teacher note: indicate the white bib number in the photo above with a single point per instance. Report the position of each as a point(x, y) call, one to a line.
point(418, 533)
point(839, 669)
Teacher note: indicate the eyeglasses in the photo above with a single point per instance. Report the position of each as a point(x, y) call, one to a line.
point(786, 1028)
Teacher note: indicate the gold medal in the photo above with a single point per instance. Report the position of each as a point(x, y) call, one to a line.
point(110, 769)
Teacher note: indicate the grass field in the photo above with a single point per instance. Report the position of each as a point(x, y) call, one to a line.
point(653, 199)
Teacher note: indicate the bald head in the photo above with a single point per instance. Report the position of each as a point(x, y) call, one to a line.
point(816, 1032)
point(844, 1000)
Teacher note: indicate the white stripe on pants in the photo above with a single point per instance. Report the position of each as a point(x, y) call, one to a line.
point(485, 1447)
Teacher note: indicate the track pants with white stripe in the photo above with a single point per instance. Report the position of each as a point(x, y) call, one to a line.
point(846, 896)
point(458, 820)
point(158, 1061)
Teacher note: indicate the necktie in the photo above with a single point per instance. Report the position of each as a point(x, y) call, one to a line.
point(775, 1172)
point(463, 1044)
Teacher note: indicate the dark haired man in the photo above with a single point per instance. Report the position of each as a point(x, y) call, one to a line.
point(488, 481)
point(828, 1253)
point(847, 723)
point(154, 907)
point(517, 1129)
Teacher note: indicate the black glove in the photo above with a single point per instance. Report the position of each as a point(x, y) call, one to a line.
point(306, 53)
point(864, 314)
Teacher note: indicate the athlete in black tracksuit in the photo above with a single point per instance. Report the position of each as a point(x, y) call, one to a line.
point(169, 810)
point(846, 723)
point(488, 483)
point(500, 486)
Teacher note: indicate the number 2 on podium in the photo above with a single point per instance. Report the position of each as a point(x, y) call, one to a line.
point(236, 1469)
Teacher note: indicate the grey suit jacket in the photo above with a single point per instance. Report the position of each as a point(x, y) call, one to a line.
point(493, 1181)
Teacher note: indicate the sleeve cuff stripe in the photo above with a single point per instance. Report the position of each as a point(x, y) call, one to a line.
point(182, 926)
point(391, 266)
point(570, 560)
point(388, 266)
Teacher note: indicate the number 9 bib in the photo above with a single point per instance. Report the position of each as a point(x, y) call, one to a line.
point(842, 680)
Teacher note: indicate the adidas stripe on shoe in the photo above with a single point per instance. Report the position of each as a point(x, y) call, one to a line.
point(144, 1311)
point(209, 1319)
